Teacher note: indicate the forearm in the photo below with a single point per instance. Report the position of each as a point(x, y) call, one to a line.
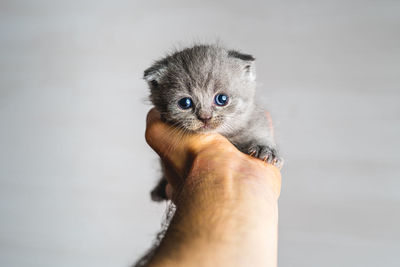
point(224, 217)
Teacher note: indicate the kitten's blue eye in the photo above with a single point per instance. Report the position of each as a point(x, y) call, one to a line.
point(185, 103)
point(221, 99)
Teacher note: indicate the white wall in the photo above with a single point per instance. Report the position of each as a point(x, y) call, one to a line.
point(75, 172)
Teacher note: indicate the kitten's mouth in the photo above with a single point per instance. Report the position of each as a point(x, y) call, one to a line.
point(203, 126)
point(207, 127)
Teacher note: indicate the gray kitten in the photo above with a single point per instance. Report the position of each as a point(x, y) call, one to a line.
point(207, 88)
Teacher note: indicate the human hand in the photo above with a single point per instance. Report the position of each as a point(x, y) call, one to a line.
point(227, 213)
point(186, 154)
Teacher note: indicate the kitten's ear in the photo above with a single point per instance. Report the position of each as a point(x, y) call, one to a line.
point(244, 57)
point(153, 74)
point(247, 61)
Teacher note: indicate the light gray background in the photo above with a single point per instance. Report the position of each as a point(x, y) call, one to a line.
point(75, 170)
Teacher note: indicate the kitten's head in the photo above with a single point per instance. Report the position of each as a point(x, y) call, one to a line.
point(203, 88)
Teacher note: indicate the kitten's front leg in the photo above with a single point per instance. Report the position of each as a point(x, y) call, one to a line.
point(159, 193)
point(257, 140)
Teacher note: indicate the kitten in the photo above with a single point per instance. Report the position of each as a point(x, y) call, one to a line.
point(207, 88)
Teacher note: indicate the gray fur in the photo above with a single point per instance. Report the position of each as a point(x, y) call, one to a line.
point(200, 72)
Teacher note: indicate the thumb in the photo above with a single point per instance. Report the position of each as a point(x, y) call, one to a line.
point(175, 145)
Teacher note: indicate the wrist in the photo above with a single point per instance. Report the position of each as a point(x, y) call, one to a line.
point(223, 217)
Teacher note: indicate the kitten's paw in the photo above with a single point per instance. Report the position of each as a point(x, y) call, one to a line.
point(158, 193)
point(267, 154)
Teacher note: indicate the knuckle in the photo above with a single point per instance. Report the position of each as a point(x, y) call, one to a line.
point(149, 134)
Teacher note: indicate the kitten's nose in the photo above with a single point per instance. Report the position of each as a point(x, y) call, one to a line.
point(204, 117)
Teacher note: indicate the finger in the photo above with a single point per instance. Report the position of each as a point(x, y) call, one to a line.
point(169, 190)
point(158, 134)
point(152, 116)
point(173, 144)
point(168, 142)
point(173, 177)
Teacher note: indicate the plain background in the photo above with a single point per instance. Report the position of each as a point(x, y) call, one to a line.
point(74, 167)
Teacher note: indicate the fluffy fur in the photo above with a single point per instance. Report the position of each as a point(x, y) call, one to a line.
point(201, 72)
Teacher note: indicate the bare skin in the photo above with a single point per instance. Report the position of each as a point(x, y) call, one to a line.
point(227, 212)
